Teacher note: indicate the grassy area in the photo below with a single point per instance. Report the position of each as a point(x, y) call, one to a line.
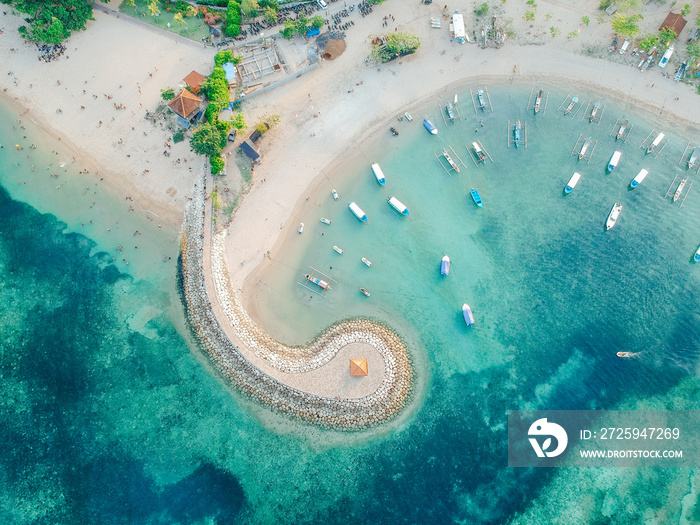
point(193, 27)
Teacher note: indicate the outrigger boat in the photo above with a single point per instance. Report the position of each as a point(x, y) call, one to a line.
point(367, 262)
point(339, 250)
point(320, 282)
point(449, 160)
point(613, 216)
point(639, 178)
point(477, 198)
point(480, 156)
point(571, 105)
point(365, 292)
point(694, 158)
point(467, 314)
point(480, 96)
point(679, 190)
point(357, 211)
point(408, 116)
point(516, 133)
point(621, 131)
point(335, 195)
point(325, 221)
point(450, 112)
point(430, 126)
point(594, 111)
point(300, 229)
point(379, 174)
point(538, 100)
point(397, 205)
point(587, 143)
point(572, 182)
point(656, 142)
point(614, 160)
point(445, 266)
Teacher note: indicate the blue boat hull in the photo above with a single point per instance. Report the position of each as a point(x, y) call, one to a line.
point(430, 126)
point(568, 189)
point(444, 268)
point(634, 184)
point(477, 198)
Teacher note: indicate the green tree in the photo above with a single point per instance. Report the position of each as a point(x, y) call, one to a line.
point(317, 22)
point(693, 50)
point(648, 42)
point(232, 26)
point(667, 35)
point(250, 8)
point(222, 57)
point(238, 121)
point(217, 164)
point(585, 20)
point(272, 4)
point(178, 18)
point(270, 14)
point(216, 88)
point(482, 9)
point(626, 26)
point(167, 93)
point(207, 139)
point(52, 22)
point(685, 10)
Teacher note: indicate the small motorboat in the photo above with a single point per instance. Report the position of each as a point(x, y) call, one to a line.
point(468, 315)
point(325, 221)
point(397, 205)
point(430, 126)
point(624, 354)
point(445, 266)
point(572, 182)
point(335, 195)
point(408, 116)
point(639, 178)
point(357, 211)
point(378, 174)
point(394, 131)
point(613, 216)
point(300, 229)
point(367, 262)
point(477, 198)
point(614, 160)
point(696, 257)
point(339, 250)
point(365, 292)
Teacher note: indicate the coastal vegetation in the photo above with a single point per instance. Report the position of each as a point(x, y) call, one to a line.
point(232, 26)
point(529, 16)
point(397, 45)
point(482, 9)
point(626, 26)
point(585, 20)
point(648, 42)
point(667, 35)
point(52, 22)
point(167, 93)
point(301, 25)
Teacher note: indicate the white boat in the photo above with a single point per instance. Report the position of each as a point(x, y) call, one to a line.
point(665, 57)
point(339, 250)
point(571, 105)
point(300, 229)
point(480, 157)
point(572, 182)
point(656, 142)
point(456, 99)
point(613, 216)
point(480, 96)
point(408, 116)
point(325, 221)
point(445, 266)
point(335, 195)
point(694, 158)
point(679, 190)
point(397, 205)
point(594, 111)
point(696, 257)
point(614, 160)
point(584, 148)
point(378, 173)
point(449, 160)
point(357, 211)
point(365, 292)
point(367, 262)
point(538, 100)
point(468, 315)
point(639, 178)
point(450, 112)
point(320, 282)
point(621, 131)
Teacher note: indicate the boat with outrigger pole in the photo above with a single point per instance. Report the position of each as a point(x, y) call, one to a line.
point(596, 114)
point(653, 146)
point(692, 162)
point(540, 99)
point(483, 99)
point(478, 153)
point(583, 151)
point(621, 130)
point(447, 158)
point(679, 189)
point(517, 134)
point(572, 104)
point(321, 283)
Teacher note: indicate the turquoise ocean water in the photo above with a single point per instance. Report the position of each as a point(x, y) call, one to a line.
point(111, 415)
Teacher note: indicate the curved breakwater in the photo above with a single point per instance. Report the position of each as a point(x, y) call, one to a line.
point(329, 412)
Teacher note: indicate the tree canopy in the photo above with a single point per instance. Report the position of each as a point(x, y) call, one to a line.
point(626, 26)
point(208, 140)
point(53, 22)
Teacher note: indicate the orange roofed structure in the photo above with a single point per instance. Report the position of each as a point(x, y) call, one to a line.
point(194, 81)
point(358, 367)
point(675, 22)
point(185, 103)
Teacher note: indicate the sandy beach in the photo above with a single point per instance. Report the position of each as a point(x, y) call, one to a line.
point(325, 115)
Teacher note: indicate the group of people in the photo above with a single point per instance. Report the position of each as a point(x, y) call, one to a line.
point(47, 52)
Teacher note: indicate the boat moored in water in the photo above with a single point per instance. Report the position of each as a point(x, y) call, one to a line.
point(339, 250)
point(408, 116)
point(430, 126)
point(480, 96)
point(397, 205)
point(323, 284)
point(300, 229)
point(450, 112)
point(584, 148)
point(538, 100)
point(378, 174)
point(467, 314)
point(477, 198)
point(656, 142)
point(478, 152)
point(679, 190)
point(516, 132)
point(449, 160)
point(594, 112)
point(621, 131)
point(613, 216)
point(571, 105)
point(573, 181)
point(694, 158)
point(614, 160)
point(639, 178)
point(445, 266)
point(357, 211)
point(365, 292)
point(367, 262)
point(696, 257)
point(325, 221)
point(335, 195)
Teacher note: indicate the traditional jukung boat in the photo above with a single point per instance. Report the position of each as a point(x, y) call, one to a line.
point(467, 314)
point(325, 221)
point(694, 158)
point(572, 182)
point(456, 99)
point(639, 178)
point(477, 198)
point(594, 111)
point(397, 205)
point(621, 131)
point(584, 148)
point(614, 160)
point(300, 229)
point(379, 174)
point(367, 262)
point(656, 142)
point(357, 211)
point(516, 133)
point(339, 250)
point(430, 126)
point(365, 292)
point(450, 112)
point(449, 160)
point(613, 216)
point(408, 116)
point(571, 105)
point(679, 190)
point(445, 266)
point(480, 156)
point(538, 100)
point(480, 96)
point(323, 284)
point(335, 194)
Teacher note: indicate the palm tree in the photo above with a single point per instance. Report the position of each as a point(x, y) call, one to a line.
point(153, 8)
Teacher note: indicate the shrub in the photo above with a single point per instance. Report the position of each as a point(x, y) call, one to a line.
point(167, 93)
point(217, 164)
point(667, 34)
point(626, 26)
point(182, 7)
point(585, 20)
point(572, 34)
point(482, 9)
point(250, 8)
point(531, 3)
point(647, 43)
point(178, 136)
point(555, 31)
point(216, 3)
point(222, 57)
point(529, 16)
point(685, 10)
point(604, 4)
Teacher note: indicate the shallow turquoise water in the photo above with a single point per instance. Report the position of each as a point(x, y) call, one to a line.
point(111, 415)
